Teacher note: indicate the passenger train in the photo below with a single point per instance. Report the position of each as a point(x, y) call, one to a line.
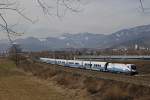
point(94, 65)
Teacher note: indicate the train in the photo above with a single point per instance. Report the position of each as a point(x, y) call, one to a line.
point(129, 69)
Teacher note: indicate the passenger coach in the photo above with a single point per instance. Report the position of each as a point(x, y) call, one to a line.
point(94, 65)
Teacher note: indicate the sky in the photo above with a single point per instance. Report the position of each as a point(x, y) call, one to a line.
point(94, 16)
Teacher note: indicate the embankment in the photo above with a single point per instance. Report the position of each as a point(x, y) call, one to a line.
point(86, 84)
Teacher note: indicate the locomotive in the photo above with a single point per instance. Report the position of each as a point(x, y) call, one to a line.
point(94, 65)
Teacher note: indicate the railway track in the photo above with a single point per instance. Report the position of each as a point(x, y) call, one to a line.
point(143, 80)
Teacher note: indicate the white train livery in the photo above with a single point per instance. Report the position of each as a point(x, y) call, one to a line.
point(94, 65)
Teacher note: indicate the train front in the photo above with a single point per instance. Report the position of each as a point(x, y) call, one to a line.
point(133, 69)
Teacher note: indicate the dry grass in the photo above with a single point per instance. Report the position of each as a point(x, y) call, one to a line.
point(22, 88)
point(16, 85)
point(86, 86)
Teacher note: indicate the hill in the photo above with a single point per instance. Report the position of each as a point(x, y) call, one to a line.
point(126, 38)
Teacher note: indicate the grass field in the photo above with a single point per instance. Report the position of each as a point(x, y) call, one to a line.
point(36, 81)
point(16, 85)
point(92, 85)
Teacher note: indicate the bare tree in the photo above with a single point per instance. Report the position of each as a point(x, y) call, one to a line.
point(6, 6)
point(11, 5)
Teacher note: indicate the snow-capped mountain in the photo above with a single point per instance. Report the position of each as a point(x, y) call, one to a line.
point(129, 37)
point(139, 35)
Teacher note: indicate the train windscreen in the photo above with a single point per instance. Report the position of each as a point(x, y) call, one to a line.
point(133, 67)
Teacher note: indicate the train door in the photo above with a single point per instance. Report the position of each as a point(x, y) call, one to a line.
point(105, 69)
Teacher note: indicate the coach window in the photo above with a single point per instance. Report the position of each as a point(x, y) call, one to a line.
point(71, 63)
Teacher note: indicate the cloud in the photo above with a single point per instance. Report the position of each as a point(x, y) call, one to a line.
point(97, 16)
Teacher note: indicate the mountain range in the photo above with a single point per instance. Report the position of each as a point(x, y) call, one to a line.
point(125, 38)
